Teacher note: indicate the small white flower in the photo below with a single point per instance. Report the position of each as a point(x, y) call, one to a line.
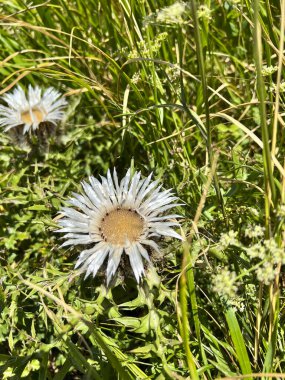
point(204, 12)
point(117, 218)
point(228, 239)
point(268, 70)
point(254, 231)
point(256, 251)
point(224, 283)
point(266, 273)
point(32, 110)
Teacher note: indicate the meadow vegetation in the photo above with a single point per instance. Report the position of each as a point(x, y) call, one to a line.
point(193, 92)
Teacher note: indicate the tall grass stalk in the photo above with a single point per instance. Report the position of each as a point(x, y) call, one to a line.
point(185, 333)
point(187, 273)
point(278, 80)
point(268, 171)
point(203, 75)
point(269, 179)
point(268, 174)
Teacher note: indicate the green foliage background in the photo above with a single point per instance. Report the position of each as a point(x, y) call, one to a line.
point(164, 98)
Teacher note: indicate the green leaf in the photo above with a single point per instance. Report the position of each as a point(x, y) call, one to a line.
point(238, 342)
point(38, 208)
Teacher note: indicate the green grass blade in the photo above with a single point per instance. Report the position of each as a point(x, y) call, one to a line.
point(271, 349)
point(238, 342)
point(261, 92)
point(184, 311)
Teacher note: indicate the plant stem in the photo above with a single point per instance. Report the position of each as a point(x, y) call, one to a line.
point(202, 72)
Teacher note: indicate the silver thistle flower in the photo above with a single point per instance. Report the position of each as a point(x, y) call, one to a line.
point(32, 110)
point(118, 218)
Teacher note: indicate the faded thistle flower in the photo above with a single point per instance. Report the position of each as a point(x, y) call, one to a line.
point(115, 218)
point(32, 110)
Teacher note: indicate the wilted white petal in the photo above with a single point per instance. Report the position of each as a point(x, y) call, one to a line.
point(151, 243)
point(143, 252)
point(136, 261)
point(165, 217)
point(93, 264)
point(125, 182)
point(70, 223)
point(112, 192)
point(168, 232)
point(164, 208)
point(67, 211)
point(82, 203)
point(163, 224)
point(145, 189)
point(91, 194)
point(84, 240)
point(87, 255)
point(113, 263)
point(74, 229)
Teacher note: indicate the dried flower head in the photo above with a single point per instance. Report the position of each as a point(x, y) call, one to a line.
point(117, 218)
point(29, 112)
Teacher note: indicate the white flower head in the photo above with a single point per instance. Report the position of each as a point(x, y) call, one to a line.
point(117, 218)
point(32, 110)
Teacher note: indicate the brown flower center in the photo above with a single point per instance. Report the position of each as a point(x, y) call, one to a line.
point(38, 116)
point(120, 225)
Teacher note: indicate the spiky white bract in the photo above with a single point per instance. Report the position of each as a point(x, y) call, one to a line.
point(32, 110)
point(117, 218)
